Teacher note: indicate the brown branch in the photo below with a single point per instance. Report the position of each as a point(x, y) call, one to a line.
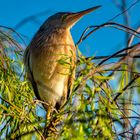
point(106, 56)
point(102, 116)
point(120, 51)
point(130, 41)
point(108, 24)
point(121, 70)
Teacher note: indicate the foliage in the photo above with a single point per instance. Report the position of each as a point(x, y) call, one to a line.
point(17, 108)
point(103, 104)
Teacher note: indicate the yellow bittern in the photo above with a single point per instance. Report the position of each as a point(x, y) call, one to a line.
point(50, 59)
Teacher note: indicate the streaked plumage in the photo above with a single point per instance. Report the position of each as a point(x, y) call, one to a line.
point(50, 59)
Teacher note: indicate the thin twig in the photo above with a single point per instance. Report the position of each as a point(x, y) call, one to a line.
point(108, 24)
point(120, 51)
point(31, 18)
point(14, 31)
point(106, 56)
point(132, 5)
point(130, 83)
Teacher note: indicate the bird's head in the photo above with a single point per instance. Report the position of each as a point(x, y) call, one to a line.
point(67, 19)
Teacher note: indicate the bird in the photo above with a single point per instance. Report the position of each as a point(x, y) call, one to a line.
point(50, 59)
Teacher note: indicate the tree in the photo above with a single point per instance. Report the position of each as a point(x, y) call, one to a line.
point(96, 109)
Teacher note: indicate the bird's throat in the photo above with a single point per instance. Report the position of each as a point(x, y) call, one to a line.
point(60, 36)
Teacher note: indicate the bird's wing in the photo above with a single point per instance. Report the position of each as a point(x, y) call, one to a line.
point(29, 71)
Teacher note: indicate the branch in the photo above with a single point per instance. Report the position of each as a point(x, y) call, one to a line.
point(13, 31)
point(31, 18)
point(120, 51)
point(132, 37)
point(106, 56)
point(130, 83)
point(119, 6)
point(108, 24)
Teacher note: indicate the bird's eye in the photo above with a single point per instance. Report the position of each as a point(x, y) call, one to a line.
point(64, 17)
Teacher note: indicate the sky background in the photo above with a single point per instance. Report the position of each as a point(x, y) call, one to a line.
point(103, 42)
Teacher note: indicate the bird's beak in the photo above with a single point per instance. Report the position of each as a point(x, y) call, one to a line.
point(74, 17)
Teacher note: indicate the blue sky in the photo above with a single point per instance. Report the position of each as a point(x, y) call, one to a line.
point(103, 42)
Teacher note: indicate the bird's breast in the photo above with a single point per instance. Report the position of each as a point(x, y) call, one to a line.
point(52, 64)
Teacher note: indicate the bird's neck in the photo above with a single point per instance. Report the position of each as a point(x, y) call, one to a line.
point(59, 36)
point(52, 37)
